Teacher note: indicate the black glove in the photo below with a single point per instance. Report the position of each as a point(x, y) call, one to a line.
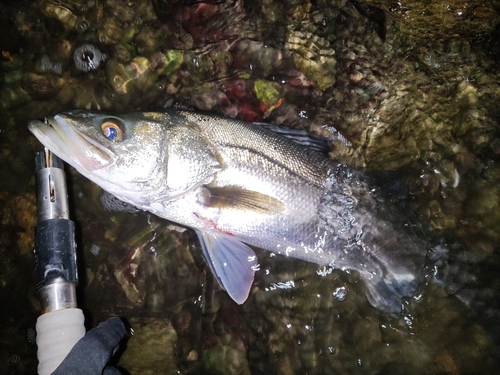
point(92, 352)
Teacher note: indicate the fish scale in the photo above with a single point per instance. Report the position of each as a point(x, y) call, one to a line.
point(233, 134)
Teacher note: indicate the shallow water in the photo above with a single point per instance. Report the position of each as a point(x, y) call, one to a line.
point(430, 112)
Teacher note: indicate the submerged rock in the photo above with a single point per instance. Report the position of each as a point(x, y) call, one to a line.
point(151, 349)
point(441, 21)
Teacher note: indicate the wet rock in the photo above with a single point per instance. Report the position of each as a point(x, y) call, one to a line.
point(436, 20)
point(151, 349)
point(227, 358)
point(20, 213)
point(314, 57)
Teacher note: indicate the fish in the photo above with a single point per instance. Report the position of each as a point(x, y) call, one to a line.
point(240, 185)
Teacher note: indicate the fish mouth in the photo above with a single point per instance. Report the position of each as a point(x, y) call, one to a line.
point(74, 147)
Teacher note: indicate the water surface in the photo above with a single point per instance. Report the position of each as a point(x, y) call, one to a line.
point(429, 112)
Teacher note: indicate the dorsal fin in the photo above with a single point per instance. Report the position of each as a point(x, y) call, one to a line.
point(302, 137)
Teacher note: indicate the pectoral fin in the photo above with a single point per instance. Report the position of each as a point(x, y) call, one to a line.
point(232, 262)
point(235, 197)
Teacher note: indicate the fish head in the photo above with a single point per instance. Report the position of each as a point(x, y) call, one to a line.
point(126, 154)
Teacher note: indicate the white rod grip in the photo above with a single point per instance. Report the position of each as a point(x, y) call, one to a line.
point(56, 334)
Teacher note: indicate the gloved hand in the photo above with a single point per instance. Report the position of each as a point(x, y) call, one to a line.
point(92, 352)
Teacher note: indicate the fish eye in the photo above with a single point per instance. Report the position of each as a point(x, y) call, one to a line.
point(112, 129)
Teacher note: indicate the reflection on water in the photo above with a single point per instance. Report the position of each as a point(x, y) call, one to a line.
point(432, 111)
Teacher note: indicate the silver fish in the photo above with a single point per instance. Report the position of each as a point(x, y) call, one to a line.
point(239, 184)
